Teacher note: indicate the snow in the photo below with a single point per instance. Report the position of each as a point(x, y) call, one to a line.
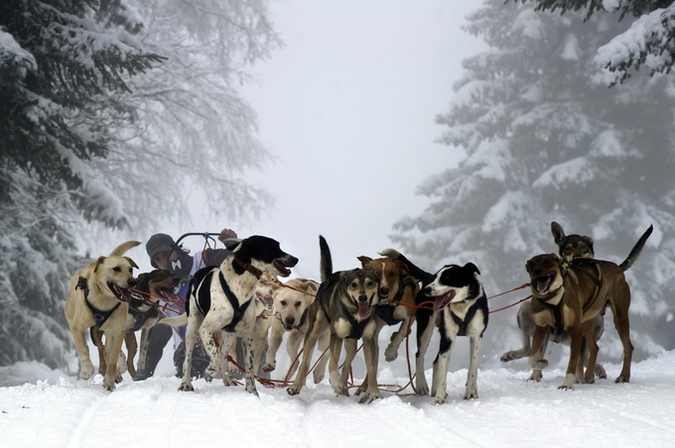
point(53, 409)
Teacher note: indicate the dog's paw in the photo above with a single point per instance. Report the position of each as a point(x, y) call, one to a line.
point(109, 384)
point(293, 390)
point(318, 375)
point(508, 356)
point(570, 378)
point(370, 397)
point(600, 371)
point(186, 387)
point(470, 393)
point(361, 389)
point(536, 376)
point(87, 370)
point(391, 353)
point(227, 381)
point(422, 387)
point(622, 379)
point(268, 367)
point(440, 399)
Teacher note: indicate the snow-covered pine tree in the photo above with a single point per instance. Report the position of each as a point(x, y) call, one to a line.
point(546, 141)
point(60, 70)
point(648, 43)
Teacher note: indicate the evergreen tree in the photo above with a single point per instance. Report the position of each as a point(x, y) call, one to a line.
point(108, 111)
point(649, 42)
point(60, 72)
point(546, 141)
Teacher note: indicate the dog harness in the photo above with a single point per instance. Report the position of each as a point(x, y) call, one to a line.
point(140, 317)
point(579, 264)
point(100, 316)
point(357, 327)
point(386, 311)
point(464, 324)
point(239, 310)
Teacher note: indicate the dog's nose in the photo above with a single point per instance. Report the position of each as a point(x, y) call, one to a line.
point(131, 282)
point(290, 320)
point(363, 298)
point(427, 290)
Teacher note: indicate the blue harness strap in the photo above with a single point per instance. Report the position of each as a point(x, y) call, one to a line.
point(238, 310)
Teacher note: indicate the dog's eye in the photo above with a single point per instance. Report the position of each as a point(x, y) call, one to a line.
point(283, 303)
point(117, 269)
point(297, 304)
point(354, 285)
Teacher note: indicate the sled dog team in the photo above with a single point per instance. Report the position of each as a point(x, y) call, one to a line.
point(570, 292)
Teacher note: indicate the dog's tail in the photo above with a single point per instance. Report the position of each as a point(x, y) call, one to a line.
point(326, 259)
point(177, 321)
point(123, 248)
point(635, 252)
point(421, 275)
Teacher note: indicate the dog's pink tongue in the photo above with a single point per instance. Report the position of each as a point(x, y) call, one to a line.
point(543, 284)
point(364, 310)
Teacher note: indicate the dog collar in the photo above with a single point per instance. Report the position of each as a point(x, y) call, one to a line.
point(252, 269)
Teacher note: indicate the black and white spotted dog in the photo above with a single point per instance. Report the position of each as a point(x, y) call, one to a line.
point(459, 308)
point(221, 301)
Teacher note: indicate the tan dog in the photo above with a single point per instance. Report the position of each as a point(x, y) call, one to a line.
point(99, 296)
point(291, 311)
point(143, 315)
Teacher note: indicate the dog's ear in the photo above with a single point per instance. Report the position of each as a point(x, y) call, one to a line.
point(99, 261)
point(132, 262)
point(364, 260)
point(558, 233)
point(471, 268)
point(402, 267)
point(308, 286)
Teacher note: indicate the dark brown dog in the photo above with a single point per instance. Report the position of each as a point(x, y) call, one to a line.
point(569, 296)
point(570, 247)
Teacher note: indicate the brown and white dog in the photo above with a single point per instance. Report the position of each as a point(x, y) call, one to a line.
point(570, 247)
point(143, 315)
point(569, 297)
point(98, 295)
point(291, 316)
point(345, 305)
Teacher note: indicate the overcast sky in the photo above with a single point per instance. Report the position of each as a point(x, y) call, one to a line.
point(348, 106)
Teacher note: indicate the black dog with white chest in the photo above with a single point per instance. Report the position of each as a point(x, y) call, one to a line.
point(459, 308)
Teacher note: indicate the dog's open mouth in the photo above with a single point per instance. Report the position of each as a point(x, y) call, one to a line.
point(169, 295)
point(543, 283)
point(364, 310)
point(122, 294)
point(266, 300)
point(281, 267)
point(442, 301)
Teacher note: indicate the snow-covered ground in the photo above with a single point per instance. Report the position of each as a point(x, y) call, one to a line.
point(44, 408)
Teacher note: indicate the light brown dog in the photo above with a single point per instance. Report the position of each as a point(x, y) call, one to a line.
point(291, 317)
point(98, 296)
